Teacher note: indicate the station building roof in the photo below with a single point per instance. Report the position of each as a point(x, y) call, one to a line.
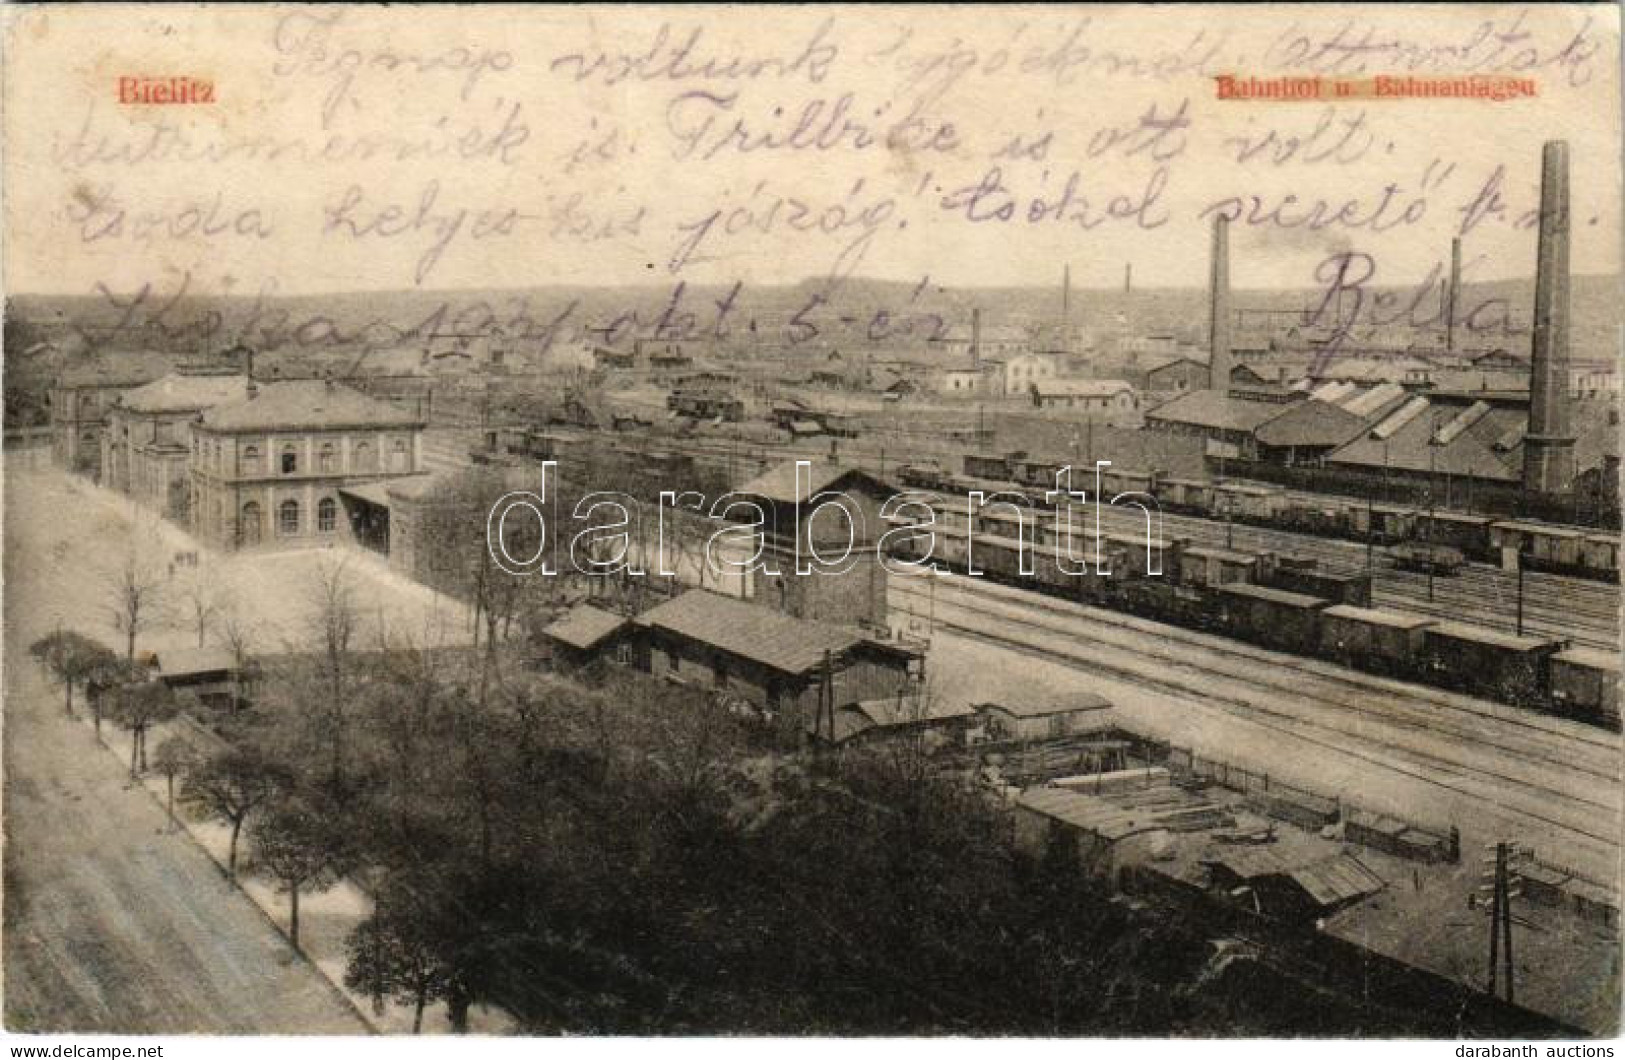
point(176, 392)
point(307, 404)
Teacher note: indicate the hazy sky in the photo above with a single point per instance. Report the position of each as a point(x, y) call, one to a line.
point(353, 149)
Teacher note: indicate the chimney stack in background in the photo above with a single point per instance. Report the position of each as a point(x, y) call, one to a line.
point(1452, 296)
point(1128, 277)
point(1548, 448)
point(248, 372)
point(1219, 315)
point(976, 337)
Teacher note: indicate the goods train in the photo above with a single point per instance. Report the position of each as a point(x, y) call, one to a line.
point(1540, 546)
point(1283, 602)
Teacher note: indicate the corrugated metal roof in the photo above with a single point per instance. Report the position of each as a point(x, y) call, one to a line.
point(585, 626)
point(750, 631)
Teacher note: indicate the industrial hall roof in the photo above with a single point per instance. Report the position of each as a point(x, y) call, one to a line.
point(1217, 410)
point(750, 631)
point(1312, 423)
point(185, 393)
point(307, 404)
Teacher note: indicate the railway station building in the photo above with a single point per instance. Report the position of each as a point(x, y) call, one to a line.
point(275, 465)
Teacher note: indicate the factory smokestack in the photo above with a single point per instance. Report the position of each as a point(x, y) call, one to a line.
point(1548, 450)
point(1128, 277)
point(1219, 316)
point(976, 337)
point(1066, 295)
point(1452, 296)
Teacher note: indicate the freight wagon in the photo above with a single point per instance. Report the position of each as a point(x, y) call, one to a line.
point(1469, 534)
point(1274, 618)
point(1545, 547)
point(1484, 662)
point(1585, 684)
point(1209, 568)
point(1383, 642)
point(1304, 575)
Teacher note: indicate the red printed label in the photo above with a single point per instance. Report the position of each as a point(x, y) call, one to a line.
point(136, 91)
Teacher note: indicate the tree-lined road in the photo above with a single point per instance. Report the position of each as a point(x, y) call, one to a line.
point(112, 923)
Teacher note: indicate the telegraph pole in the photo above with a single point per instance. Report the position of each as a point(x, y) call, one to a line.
point(1520, 593)
point(1504, 884)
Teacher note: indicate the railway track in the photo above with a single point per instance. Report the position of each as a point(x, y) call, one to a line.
point(1586, 614)
point(1579, 610)
point(1541, 737)
point(1378, 725)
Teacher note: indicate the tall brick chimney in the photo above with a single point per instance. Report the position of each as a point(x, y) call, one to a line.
point(1452, 296)
point(1219, 315)
point(1548, 448)
point(976, 337)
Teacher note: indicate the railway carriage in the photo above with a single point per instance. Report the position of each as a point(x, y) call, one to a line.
point(1542, 547)
point(1426, 558)
point(1209, 568)
point(1039, 474)
point(1484, 662)
point(1375, 640)
point(1322, 517)
point(1585, 684)
point(981, 465)
point(1274, 618)
point(1383, 523)
point(1114, 481)
point(1185, 495)
point(1252, 504)
point(1599, 556)
point(1305, 575)
point(1470, 534)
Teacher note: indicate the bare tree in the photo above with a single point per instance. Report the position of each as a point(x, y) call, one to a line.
point(238, 632)
point(200, 600)
point(135, 597)
point(334, 620)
